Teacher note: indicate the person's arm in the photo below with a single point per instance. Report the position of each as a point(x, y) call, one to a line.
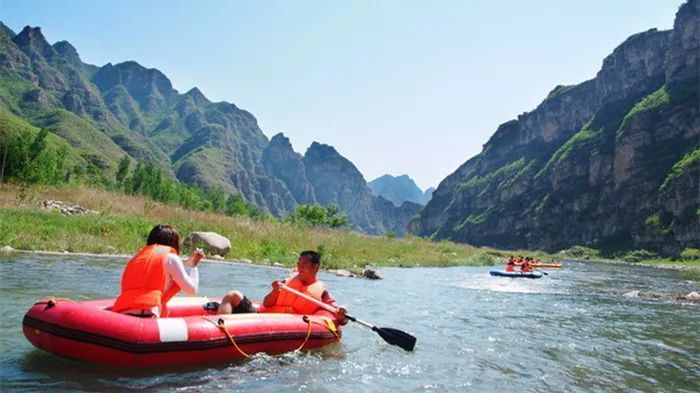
point(271, 298)
point(176, 270)
point(328, 299)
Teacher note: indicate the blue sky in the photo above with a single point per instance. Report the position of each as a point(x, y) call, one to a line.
point(397, 87)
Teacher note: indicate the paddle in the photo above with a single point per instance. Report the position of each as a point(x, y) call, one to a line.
point(390, 335)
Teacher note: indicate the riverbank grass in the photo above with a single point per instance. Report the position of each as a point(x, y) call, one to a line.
point(123, 221)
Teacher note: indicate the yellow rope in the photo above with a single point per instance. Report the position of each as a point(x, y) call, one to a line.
point(222, 325)
point(329, 325)
point(308, 332)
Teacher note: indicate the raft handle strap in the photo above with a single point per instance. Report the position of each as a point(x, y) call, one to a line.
point(330, 325)
point(53, 301)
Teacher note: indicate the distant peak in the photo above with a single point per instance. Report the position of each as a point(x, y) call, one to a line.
point(64, 47)
point(30, 34)
point(280, 139)
point(197, 96)
point(321, 148)
point(9, 32)
point(130, 64)
point(31, 40)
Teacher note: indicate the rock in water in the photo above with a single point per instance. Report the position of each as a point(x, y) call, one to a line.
point(372, 273)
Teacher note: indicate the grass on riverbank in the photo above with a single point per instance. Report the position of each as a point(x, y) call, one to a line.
point(124, 221)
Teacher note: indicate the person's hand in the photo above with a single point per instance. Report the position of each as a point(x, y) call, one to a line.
point(196, 256)
point(341, 315)
point(276, 285)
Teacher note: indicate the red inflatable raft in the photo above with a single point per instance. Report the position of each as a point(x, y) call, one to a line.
point(88, 330)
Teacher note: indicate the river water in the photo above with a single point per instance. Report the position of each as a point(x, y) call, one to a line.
point(571, 331)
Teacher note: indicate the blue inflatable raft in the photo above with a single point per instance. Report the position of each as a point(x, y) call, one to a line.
point(503, 273)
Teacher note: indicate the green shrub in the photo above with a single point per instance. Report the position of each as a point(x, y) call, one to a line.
point(579, 252)
point(654, 220)
point(482, 259)
point(652, 101)
point(639, 255)
point(689, 160)
point(318, 216)
point(690, 254)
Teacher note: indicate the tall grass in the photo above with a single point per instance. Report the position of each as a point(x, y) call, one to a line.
point(123, 221)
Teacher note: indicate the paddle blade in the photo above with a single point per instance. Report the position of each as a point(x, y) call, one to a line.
point(397, 337)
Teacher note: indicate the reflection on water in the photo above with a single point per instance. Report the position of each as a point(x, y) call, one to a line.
point(568, 331)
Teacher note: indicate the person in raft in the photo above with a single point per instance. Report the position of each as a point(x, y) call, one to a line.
point(510, 267)
point(280, 301)
point(525, 267)
point(155, 274)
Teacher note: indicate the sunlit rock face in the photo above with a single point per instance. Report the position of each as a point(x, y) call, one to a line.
point(611, 163)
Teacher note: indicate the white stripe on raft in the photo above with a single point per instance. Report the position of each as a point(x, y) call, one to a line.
point(172, 329)
point(188, 300)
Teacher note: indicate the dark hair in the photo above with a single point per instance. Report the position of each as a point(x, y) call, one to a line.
point(164, 235)
point(311, 256)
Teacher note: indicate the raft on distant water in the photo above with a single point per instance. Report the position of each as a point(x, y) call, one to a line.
point(89, 331)
point(503, 273)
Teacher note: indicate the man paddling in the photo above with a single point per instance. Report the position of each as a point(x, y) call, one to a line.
point(278, 301)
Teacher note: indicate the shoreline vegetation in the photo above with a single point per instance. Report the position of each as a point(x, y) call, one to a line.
point(122, 222)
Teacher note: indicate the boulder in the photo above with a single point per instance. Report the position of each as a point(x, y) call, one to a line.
point(214, 243)
point(7, 249)
point(342, 273)
point(65, 208)
point(371, 273)
point(631, 294)
point(693, 296)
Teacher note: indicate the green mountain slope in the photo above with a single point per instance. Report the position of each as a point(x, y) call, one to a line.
point(99, 115)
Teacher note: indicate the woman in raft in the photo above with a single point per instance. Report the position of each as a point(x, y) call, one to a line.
point(155, 274)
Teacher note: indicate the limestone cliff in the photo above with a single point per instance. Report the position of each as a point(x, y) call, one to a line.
point(611, 163)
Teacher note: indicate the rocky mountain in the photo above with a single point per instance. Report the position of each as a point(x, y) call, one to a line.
point(101, 114)
point(612, 163)
point(399, 189)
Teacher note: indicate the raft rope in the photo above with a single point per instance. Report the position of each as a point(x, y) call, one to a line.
point(221, 324)
point(308, 332)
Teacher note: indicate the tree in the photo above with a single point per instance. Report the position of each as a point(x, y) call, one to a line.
point(335, 218)
point(123, 169)
point(2, 166)
point(316, 215)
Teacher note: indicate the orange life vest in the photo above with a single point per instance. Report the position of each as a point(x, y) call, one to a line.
point(143, 281)
point(290, 303)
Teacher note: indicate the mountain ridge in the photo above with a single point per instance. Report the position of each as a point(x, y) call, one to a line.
point(399, 189)
point(104, 113)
